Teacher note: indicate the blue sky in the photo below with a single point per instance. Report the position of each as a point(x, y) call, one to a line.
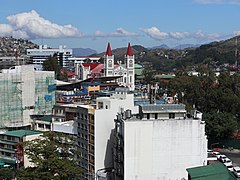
point(93, 23)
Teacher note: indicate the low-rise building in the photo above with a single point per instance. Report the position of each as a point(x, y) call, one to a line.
point(10, 152)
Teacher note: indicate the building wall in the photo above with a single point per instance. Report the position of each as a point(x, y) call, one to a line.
point(26, 160)
point(24, 92)
point(38, 56)
point(104, 125)
point(163, 149)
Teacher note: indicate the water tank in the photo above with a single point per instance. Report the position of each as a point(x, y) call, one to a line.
point(128, 113)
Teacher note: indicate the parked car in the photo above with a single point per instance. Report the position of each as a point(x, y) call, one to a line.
point(227, 162)
point(230, 168)
point(222, 158)
point(217, 154)
point(210, 151)
point(236, 171)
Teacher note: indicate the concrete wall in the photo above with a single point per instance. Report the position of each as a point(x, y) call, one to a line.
point(26, 160)
point(163, 149)
point(104, 125)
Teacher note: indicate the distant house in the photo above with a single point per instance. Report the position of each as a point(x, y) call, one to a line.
point(216, 171)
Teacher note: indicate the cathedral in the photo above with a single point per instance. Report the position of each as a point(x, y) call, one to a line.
point(110, 67)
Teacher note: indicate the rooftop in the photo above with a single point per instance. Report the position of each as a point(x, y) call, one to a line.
point(21, 133)
point(47, 118)
point(162, 107)
point(216, 171)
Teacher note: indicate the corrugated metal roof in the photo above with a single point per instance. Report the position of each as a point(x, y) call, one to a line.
point(216, 171)
point(162, 107)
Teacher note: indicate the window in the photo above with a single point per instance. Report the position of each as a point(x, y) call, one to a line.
point(156, 115)
point(47, 126)
point(171, 115)
point(148, 115)
point(9, 138)
point(41, 125)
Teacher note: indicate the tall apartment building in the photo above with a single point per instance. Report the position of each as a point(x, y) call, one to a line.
point(38, 56)
point(95, 130)
point(24, 92)
point(160, 142)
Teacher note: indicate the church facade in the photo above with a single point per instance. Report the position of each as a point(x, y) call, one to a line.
point(124, 68)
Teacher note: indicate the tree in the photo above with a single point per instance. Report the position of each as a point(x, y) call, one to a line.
point(7, 174)
point(148, 75)
point(219, 125)
point(54, 156)
point(51, 64)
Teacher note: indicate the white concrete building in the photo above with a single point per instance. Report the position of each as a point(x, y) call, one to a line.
point(24, 92)
point(95, 130)
point(158, 143)
point(38, 56)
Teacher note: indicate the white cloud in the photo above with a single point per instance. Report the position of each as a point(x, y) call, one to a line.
point(218, 1)
point(122, 32)
point(99, 34)
point(156, 34)
point(179, 35)
point(30, 25)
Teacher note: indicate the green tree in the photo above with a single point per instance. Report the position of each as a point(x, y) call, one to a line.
point(54, 156)
point(219, 125)
point(51, 64)
point(148, 75)
point(7, 174)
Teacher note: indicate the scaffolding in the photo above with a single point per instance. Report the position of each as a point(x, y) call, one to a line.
point(10, 99)
point(23, 93)
point(44, 93)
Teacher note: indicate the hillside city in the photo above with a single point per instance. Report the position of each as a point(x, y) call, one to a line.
point(123, 114)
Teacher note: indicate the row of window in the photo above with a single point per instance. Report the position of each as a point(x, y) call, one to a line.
point(171, 115)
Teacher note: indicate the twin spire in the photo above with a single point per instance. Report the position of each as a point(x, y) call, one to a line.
point(109, 51)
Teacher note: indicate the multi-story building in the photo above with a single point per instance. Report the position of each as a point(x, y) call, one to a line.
point(24, 92)
point(160, 142)
point(95, 130)
point(38, 56)
point(10, 152)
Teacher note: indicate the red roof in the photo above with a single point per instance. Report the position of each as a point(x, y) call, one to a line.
point(71, 74)
point(98, 69)
point(129, 50)
point(109, 51)
point(91, 65)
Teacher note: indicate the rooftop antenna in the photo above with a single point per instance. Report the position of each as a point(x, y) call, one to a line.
point(236, 51)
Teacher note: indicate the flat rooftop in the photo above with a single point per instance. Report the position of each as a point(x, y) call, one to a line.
point(22, 133)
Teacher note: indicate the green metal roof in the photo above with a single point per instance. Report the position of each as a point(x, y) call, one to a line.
point(47, 118)
point(21, 133)
point(216, 171)
point(138, 66)
point(165, 76)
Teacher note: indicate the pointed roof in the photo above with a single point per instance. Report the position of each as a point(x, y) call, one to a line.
point(129, 50)
point(109, 51)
